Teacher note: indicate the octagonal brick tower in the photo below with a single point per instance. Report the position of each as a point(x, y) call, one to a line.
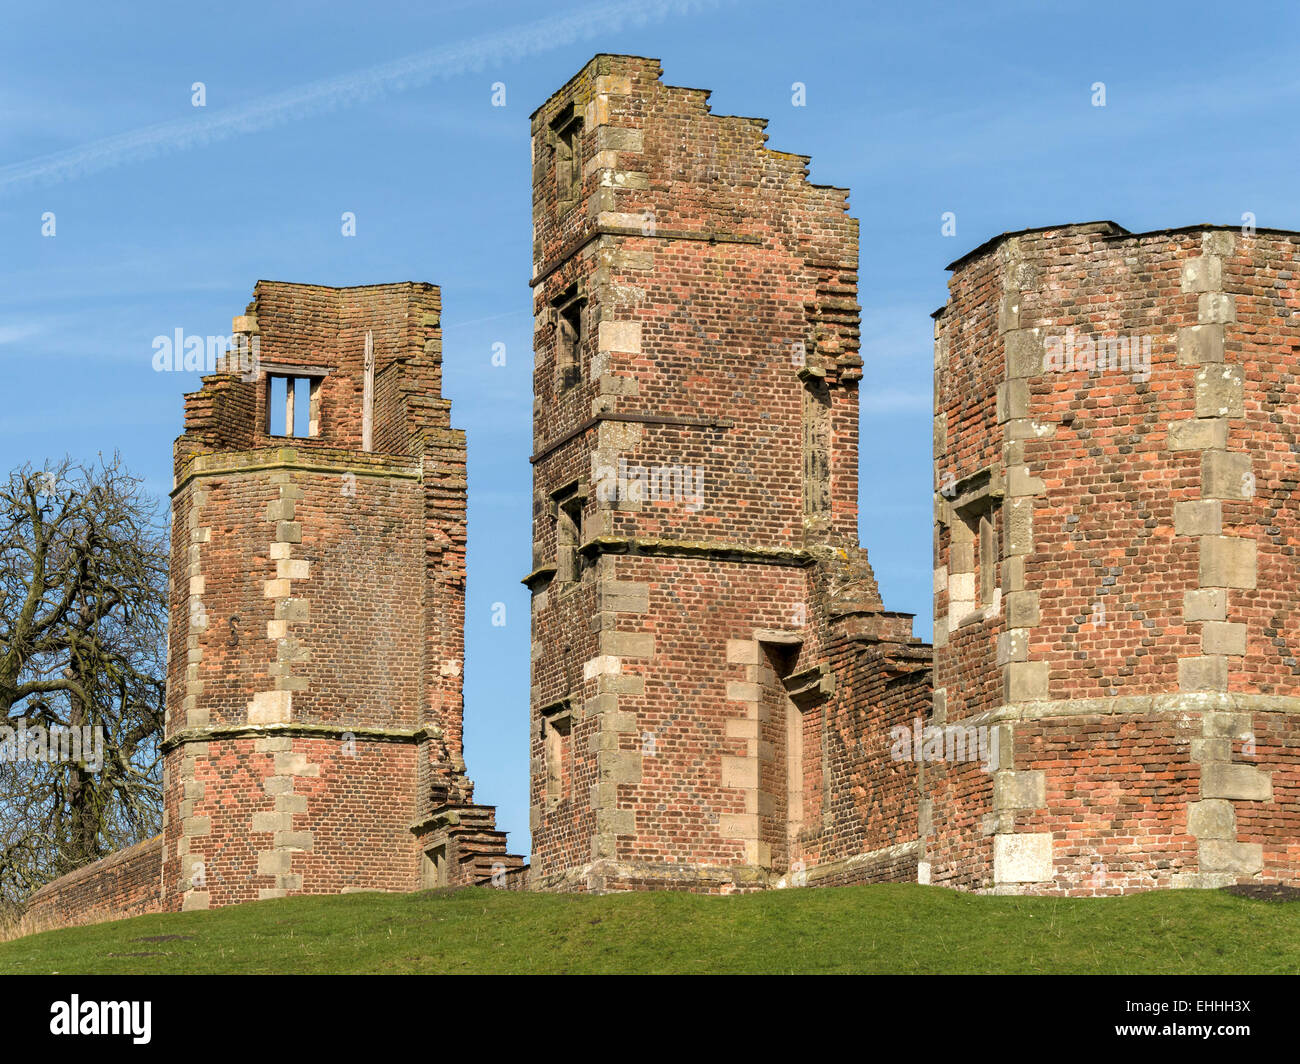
point(1117, 424)
point(314, 707)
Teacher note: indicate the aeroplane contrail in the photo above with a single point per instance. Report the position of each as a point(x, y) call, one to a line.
point(398, 75)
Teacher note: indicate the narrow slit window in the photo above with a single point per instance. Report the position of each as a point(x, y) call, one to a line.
point(558, 751)
point(568, 538)
point(570, 325)
point(568, 160)
point(817, 451)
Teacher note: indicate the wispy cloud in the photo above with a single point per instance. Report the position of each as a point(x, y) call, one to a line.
point(400, 75)
point(15, 332)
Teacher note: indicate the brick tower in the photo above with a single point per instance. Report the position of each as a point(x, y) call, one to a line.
point(317, 642)
point(1116, 528)
point(708, 638)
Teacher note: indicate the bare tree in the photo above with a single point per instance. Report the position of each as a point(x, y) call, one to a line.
point(83, 642)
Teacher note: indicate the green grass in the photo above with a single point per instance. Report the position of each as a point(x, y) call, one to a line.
point(889, 928)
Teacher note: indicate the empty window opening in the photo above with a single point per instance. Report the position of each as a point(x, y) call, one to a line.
point(794, 776)
point(784, 799)
point(973, 563)
point(293, 406)
point(816, 453)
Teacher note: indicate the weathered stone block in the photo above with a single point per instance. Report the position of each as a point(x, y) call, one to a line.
point(1013, 645)
point(1022, 609)
point(1024, 353)
point(1222, 855)
point(1212, 818)
point(1226, 475)
point(294, 840)
point(1022, 858)
point(1228, 561)
point(1019, 538)
point(1025, 681)
point(622, 336)
point(1200, 344)
point(1019, 482)
point(1019, 790)
point(739, 772)
point(1198, 434)
point(1219, 392)
point(1223, 637)
point(1203, 274)
point(1209, 604)
point(1198, 518)
point(1203, 674)
point(1012, 400)
point(1217, 307)
point(1238, 782)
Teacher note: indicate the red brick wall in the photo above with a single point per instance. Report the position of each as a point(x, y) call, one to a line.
point(317, 644)
point(119, 886)
point(363, 597)
point(721, 311)
point(352, 830)
point(1125, 485)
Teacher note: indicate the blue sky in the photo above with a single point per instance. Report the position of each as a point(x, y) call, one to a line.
point(167, 214)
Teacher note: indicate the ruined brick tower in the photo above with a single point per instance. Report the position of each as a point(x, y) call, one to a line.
point(1116, 561)
point(317, 642)
point(713, 672)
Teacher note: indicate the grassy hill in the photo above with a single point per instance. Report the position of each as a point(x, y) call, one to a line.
point(882, 929)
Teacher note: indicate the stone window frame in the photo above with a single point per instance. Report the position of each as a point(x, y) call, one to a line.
point(570, 318)
point(291, 374)
point(433, 867)
point(565, 138)
point(974, 548)
point(556, 732)
point(568, 510)
point(803, 689)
